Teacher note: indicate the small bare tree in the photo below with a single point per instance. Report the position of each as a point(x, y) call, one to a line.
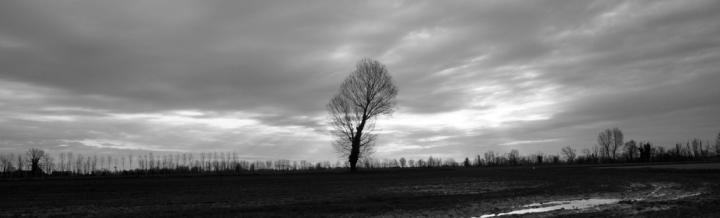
point(34, 155)
point(102, 163)
point(605, 142)
point(610, 141)
point(596, 151)
point(696, 148)
point(514, 157)
point(631, 150)
point(369, 91)
point(69, 162)
point(490, 158)
point(586, 152)
point(61, 165)
point(78, 164)
point(6, 164)
point(48, 163)
point(569, 153)
point(539, 157)
point(617, 141)
point(646, 150)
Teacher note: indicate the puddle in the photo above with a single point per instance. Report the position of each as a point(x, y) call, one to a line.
point(556, 205)
point(657, 192)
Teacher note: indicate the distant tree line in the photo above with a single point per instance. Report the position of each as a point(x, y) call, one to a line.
point(37, 163)
point(611, 148)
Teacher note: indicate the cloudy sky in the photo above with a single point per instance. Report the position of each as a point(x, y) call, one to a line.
point(120, 77)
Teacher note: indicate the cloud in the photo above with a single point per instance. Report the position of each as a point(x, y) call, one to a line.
point(528, 142)
point(137, 76)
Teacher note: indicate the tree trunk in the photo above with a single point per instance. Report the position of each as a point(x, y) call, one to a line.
point(353, 159)
point(355, 152)
point(34, 168)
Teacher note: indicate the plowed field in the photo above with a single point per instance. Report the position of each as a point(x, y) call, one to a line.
point(457, 192)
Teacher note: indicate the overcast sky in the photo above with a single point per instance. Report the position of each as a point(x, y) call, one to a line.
point(120, 77)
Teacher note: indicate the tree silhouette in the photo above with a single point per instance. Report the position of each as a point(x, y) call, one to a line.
point(617, 141)
point(34, 155)
point(369, 91)
point(646, 151)
point(48, 163)
point(605, 141)
point(610, 141)
point(539, 157)
point(695, 147)
point(631, 150)
point(569, 153)
point(6, 164)
point(69, 162)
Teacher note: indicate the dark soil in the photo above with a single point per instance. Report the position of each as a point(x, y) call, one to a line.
point(457, 192)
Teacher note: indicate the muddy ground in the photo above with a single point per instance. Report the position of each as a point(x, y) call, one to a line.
point(457, 192)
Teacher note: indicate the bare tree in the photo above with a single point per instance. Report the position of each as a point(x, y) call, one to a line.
point(631, 150)
point(646, 151)
point(102, 163)
point(78, 164)
point(93, 164)
point(605, 142)
point(402, 162)
point(6, 164)
point(48, 163)
point(610, 141)
point(706, 151)
point(369, 91)
point(202, 161)
point(596, 150)
point(490, 158)
point(696, 148)
point(617, 141)
point(69, 162)
point(477, 161)
point(430, 162)
point(151, 161)
point(539, 157)
point(34, 155)
point(177, 161)
point(190, 160)
point(109, 162)
point(586, 152)
point(569, 153)
point(62, 162)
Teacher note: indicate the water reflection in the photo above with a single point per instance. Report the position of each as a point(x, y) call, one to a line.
point(556, 205)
